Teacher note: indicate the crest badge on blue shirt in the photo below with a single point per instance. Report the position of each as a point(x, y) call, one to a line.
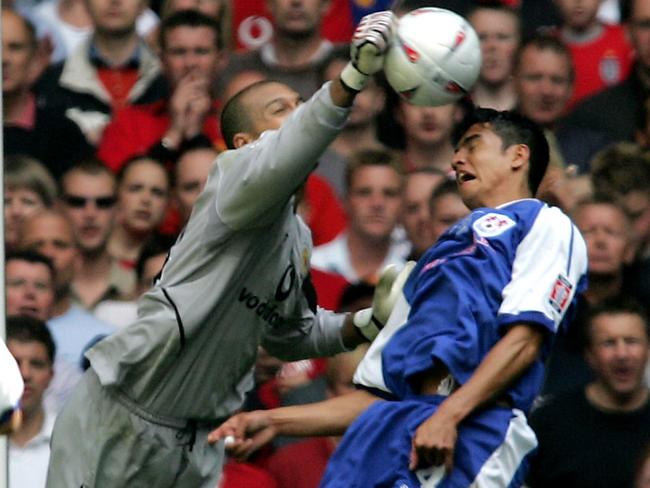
point(492, 224)
point(560, 294)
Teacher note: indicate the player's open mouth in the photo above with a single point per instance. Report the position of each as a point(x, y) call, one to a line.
point(462, 177)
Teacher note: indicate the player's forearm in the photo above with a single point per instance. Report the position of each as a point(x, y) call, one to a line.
point(507, 360)
point(329, 417)
point(341, 96)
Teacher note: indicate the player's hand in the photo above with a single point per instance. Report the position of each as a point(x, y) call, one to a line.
point(370, 42)
point(246, 433)
point(433, 443)
point(371, 320)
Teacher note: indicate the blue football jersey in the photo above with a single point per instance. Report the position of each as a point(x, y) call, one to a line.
point(520, 263)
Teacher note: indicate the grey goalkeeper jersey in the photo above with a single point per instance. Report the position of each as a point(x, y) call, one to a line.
point(235, 277)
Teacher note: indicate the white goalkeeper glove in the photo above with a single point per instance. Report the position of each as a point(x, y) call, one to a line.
point(369, 44)
point(371, 320)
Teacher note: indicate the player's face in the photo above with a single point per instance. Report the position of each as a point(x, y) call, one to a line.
point(484, 168)
point(115, 17)
point(35, 368)
point(639, 28)
point(143, 195)
point(499, 35)
point(618, 353)
point(297, 18)
point(190, 50)
point(20, 203)
point(374, 201)
point(269, 105)
point(52, 236)
point(445, 212)
point(89, 203)
point(30, 289)
point(605, 231)
point(578, 14)
point(191, 174)
point(543, 83)
point(415, 212)
point(17, 54)
point(427, 126)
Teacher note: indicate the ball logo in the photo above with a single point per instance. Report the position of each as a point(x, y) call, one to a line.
point(286, 284)
point(460, 37)
point(453, 87)
point(411, 53)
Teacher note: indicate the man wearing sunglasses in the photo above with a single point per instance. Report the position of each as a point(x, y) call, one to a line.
point(88, 197)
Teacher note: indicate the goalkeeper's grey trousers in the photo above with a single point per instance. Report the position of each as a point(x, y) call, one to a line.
point(99, 443)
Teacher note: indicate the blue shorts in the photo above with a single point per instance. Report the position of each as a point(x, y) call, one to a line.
point(492, 449)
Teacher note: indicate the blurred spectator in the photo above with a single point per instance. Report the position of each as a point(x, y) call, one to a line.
point(190, 174)
point(591, 437)
point(623, 171)
point(296, 53)
point(66, 24)
point(607, 231)
point(360, 128)
point(73, 329)
point(121, 312)
point(615, 110)
point(143, 191)
point(89, 202)
point(29, 282)
point(191, 58)
point(416, 215)
point(544, 79)
point(28, 188)
point(28, 128)
point(31, 344)
point(498, 27)
point(112, 69)
point(373, 203)
point(446, 208)
point(30, 292)
point(427, 134)
point(321, 210)
point(219, 10)
point(602, 55)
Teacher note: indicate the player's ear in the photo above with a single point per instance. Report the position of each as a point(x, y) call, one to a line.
point(241, 139)
point(520, 155)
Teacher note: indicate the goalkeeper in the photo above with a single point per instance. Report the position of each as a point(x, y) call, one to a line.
point(445, 387)
point(237, 276)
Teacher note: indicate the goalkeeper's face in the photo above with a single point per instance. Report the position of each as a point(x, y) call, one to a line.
point(269, 105)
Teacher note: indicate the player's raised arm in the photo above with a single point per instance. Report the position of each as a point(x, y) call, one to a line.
point(370, 42)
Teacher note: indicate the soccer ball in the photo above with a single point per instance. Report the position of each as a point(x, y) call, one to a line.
point(434, 59)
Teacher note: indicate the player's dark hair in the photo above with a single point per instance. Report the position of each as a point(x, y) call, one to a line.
point(544, 41)
point(512, 128)
point(188, 18)
point(33, 257)
point(620, 304)
point(22, 328)
point(235, 117)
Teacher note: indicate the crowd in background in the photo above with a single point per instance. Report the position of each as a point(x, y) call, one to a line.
point(111, 124)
